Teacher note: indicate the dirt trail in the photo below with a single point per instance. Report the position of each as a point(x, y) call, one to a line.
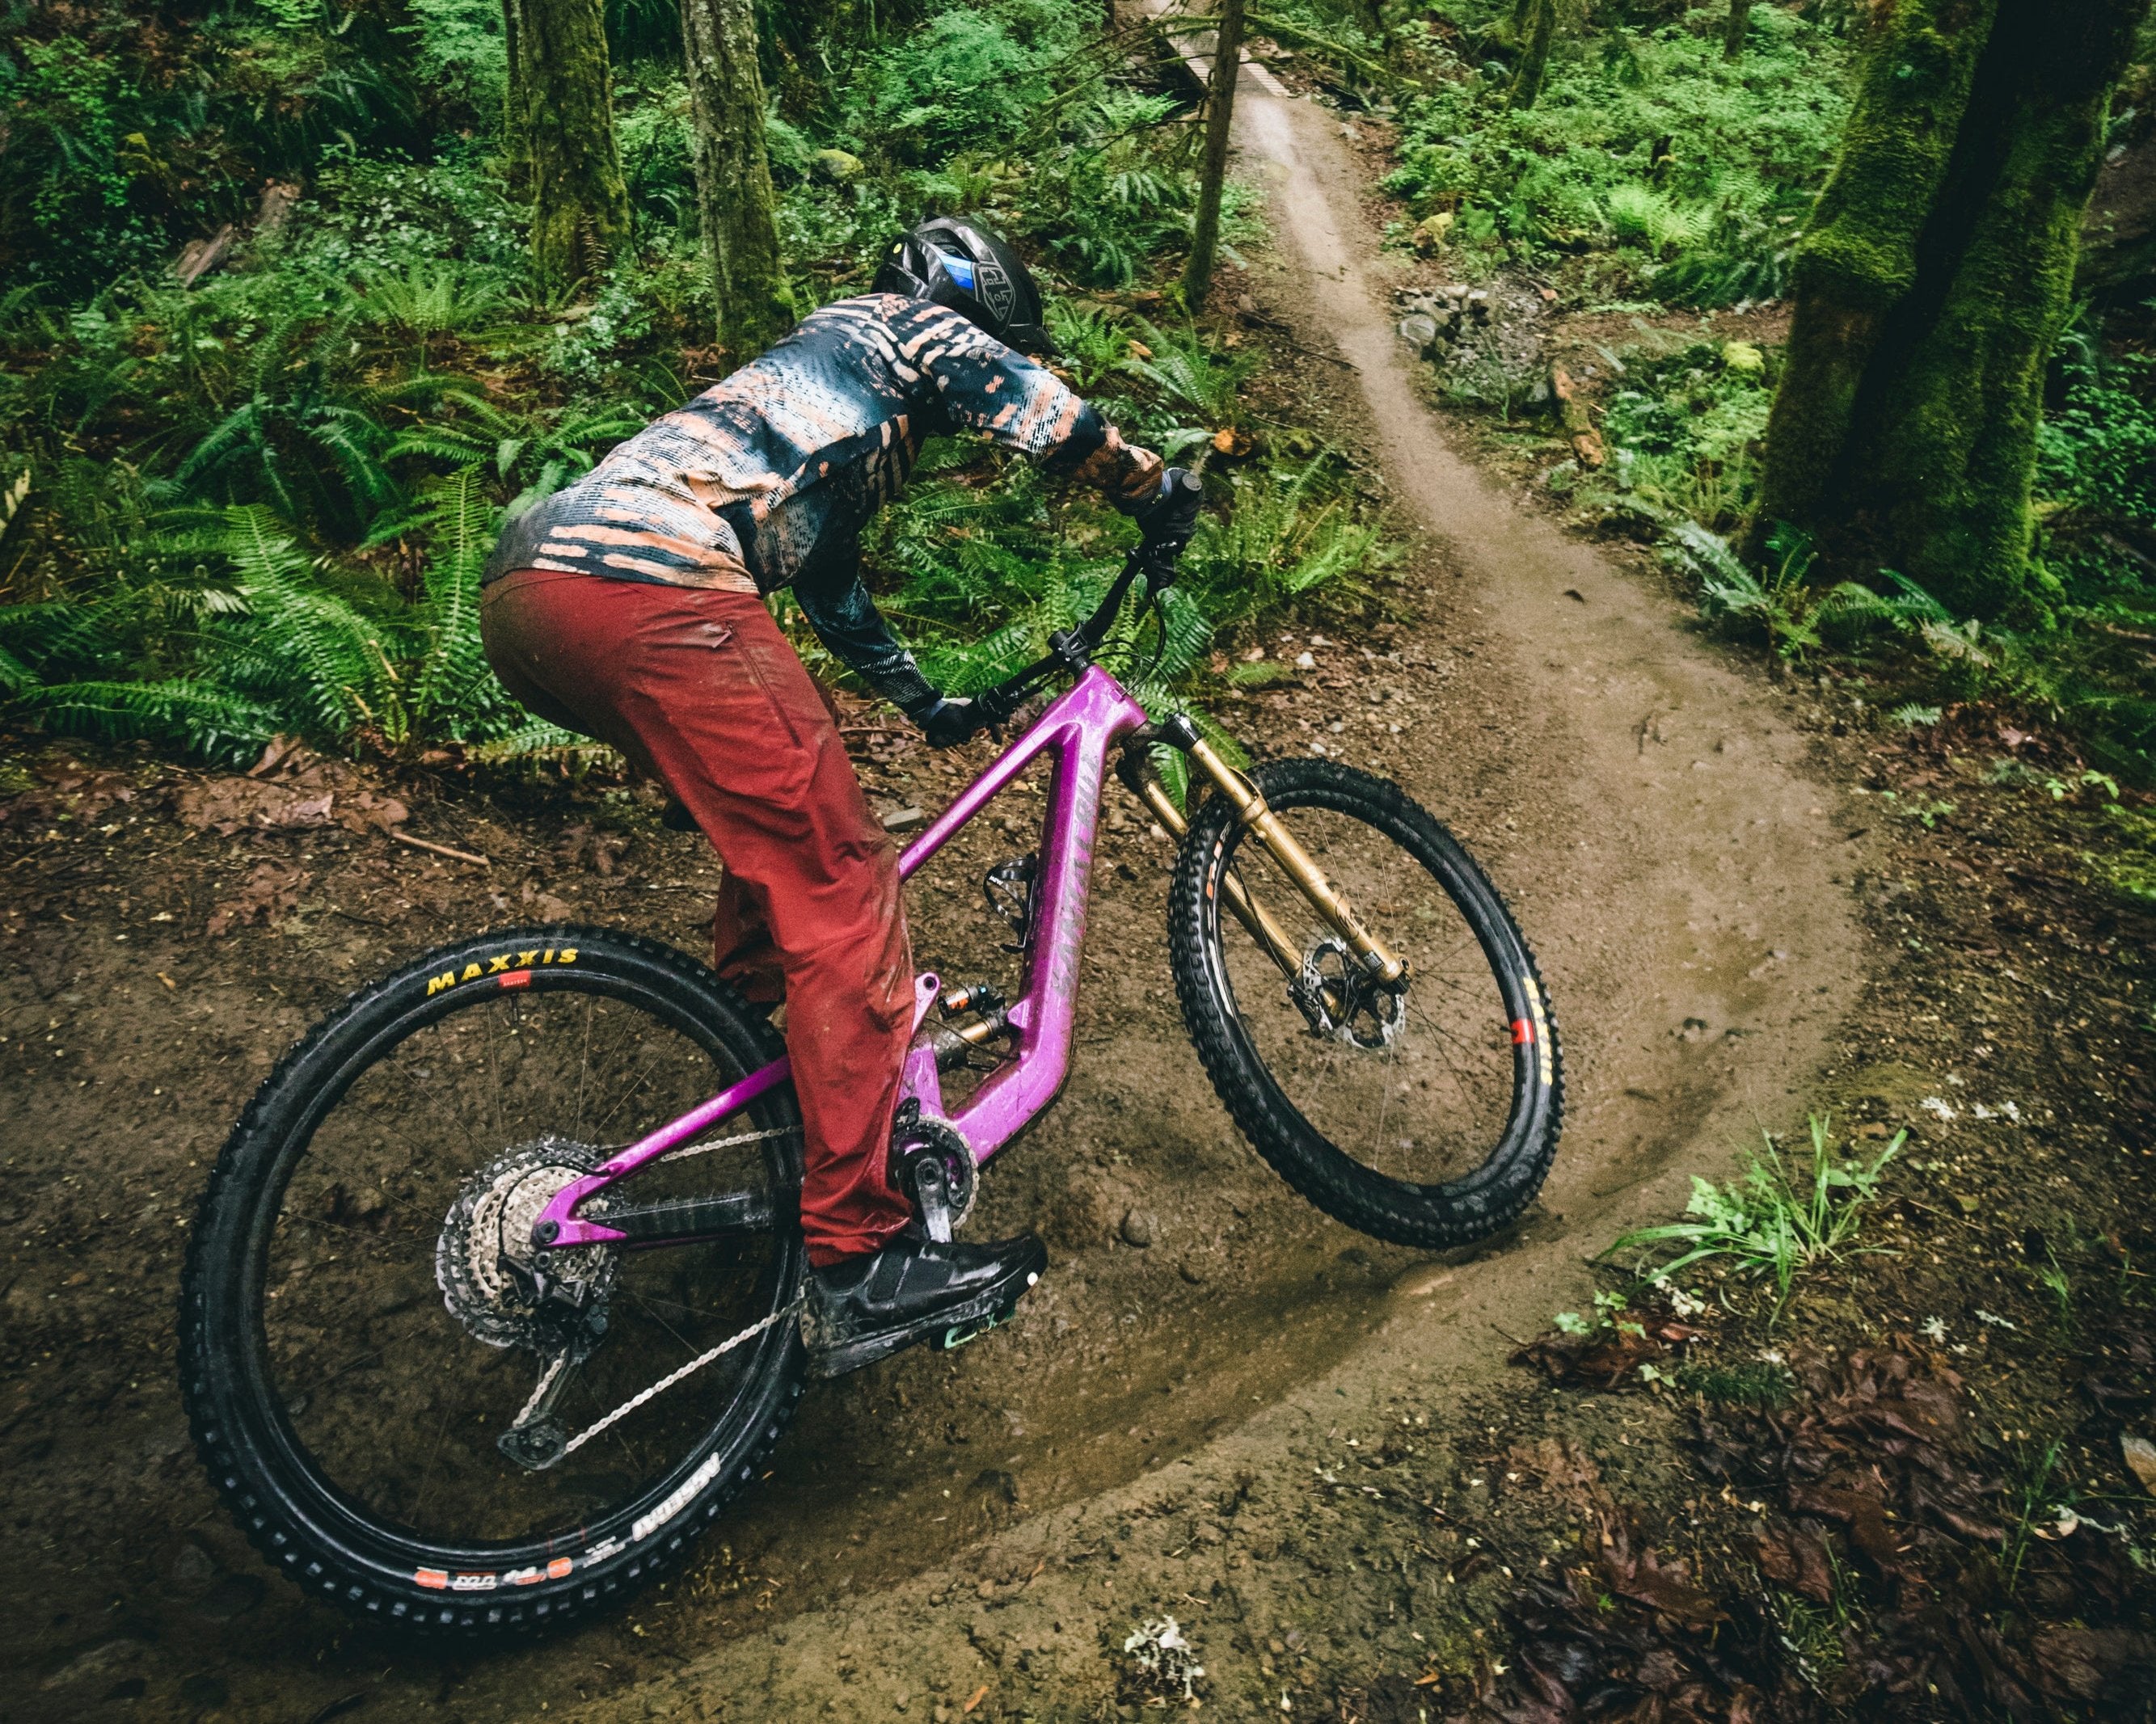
point(999, 1518)
point(1675, 867)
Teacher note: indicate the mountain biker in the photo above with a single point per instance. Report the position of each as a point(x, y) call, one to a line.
point(629, 606)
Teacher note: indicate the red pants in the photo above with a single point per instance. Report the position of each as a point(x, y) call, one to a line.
point(700, 689)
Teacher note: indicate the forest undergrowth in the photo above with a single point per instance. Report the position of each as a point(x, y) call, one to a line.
point(254, 500)
point(1645, 212)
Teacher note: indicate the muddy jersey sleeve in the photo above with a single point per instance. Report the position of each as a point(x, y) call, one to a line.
point(982, 385)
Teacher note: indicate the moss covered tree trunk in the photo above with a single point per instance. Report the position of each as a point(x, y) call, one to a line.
point(734, 198)
point(564, 106)
point(1931, 285)
point(1540, 28)
point(1219, 116)
point(1733, 32)
point(516, 147)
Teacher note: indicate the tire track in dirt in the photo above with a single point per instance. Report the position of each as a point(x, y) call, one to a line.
point(1675, 867)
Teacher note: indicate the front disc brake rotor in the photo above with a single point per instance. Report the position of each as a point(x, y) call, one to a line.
point(486, 1265)
point(1342, 1000)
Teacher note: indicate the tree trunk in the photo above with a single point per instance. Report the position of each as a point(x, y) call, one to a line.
point(579, 205)
point(515, 140)
point(734, 198)
point(1219, 115)
point(1740, 21)
point(1534, 53)
point(1931, 285)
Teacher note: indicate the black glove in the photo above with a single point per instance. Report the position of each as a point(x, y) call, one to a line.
point(1167, 523)
point(948, 723)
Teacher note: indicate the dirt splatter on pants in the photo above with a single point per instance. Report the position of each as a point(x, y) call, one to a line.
point(702, 690)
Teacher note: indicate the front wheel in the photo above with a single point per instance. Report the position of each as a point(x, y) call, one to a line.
point(1425, 1112)
point(409, 1409)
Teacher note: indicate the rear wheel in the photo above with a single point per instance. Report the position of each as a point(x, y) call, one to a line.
point(1425, 1113)
point(400, 1412)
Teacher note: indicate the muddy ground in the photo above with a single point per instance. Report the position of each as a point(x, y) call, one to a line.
point(1304, 1446)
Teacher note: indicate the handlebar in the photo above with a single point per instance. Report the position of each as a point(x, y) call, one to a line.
point(1072, 650)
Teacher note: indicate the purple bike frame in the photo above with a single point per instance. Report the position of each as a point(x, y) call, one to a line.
point(1081, 727)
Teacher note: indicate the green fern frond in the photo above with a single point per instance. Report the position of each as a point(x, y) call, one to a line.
point(540, 742)
point(454, 671)
point(214, 721)
point(17, 679)
point(338, 668)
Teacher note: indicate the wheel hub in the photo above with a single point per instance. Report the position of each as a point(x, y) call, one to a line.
point(491, 1277)
point(1342, 1000)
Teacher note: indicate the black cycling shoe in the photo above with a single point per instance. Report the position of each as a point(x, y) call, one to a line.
point(867, 1308)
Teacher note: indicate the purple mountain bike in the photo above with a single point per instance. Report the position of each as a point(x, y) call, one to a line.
point(492, 1303)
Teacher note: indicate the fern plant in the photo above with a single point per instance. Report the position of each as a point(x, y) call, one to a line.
point(428, 299)
point(1779, 602)
point(1189, 375)
point(280, 648)
point(545, 451)
point(453, 692)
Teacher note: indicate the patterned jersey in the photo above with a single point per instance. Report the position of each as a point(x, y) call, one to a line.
point(767, 478)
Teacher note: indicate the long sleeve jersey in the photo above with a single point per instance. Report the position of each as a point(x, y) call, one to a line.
point(766, 480)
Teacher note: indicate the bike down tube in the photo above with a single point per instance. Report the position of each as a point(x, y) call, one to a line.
point(1082, 727)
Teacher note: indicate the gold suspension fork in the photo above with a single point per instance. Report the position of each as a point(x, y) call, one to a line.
point(1268, 933)
point(1279, 842)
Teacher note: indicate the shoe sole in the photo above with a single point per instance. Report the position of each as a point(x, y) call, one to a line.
point(953, 1328)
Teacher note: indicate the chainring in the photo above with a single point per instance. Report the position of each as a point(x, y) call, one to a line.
point(487, 1234)
point(925, 1136)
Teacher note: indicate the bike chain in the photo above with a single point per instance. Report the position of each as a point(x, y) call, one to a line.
point(562, 1359)
point(668, 1381)
point(683, 1155)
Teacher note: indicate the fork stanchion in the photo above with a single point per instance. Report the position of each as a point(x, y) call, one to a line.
point(1251, 809)
point(1146, 786)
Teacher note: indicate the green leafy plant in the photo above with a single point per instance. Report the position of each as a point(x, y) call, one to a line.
point(1189, 375)
point(1780, 603)
point(1664, 166)
point(1773, 1222)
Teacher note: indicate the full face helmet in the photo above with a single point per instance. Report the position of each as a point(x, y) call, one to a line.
point(959, 264)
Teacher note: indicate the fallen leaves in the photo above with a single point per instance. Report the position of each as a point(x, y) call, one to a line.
point(267, 897)
point(70, 789)
point(2139, 1455)
point(288, 790)
point(1609, 1356)
point(226, 806)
